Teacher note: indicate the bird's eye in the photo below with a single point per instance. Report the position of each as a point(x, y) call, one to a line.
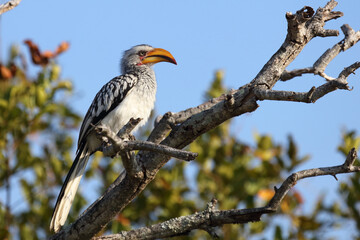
point(142, 53)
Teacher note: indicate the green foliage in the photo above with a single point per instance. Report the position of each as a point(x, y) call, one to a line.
point(235, 173)
point(35, 146)
point(350, 189)
point(36, 151)
point(239, 175)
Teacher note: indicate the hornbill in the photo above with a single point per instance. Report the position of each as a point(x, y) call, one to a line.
point(130, 95)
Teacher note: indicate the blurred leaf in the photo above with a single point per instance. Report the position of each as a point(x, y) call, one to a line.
point(64, 46)
point(36, 137)
point(35, 145)
point(123, 220)
point(5, 73)
point(349, 141)
point(40, 96)
point(278, 233)
point(266, 194)
point(43, 58)
point(55, 72)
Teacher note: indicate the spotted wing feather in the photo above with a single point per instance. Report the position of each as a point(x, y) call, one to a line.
point(106, 100)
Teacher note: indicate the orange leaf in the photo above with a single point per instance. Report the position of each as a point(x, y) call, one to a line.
point(62, 47)
point(164, 183)
point(298, 197)
point(123, 220)
point(266, 194)
point(5, 73)
point(285, 205)
point(48, 54)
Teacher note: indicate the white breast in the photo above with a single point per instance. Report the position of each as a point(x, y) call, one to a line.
point(138, 103)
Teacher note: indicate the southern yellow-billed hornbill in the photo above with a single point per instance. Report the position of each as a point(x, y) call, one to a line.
point(130, 95)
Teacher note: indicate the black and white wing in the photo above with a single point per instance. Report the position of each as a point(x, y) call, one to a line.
point(106, 100)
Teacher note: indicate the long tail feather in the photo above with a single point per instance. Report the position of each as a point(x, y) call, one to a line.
point(68, 190)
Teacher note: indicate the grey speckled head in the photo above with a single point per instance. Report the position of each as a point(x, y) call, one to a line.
point(131, 57)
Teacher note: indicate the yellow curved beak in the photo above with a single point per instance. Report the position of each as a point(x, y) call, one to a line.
point(158, 55)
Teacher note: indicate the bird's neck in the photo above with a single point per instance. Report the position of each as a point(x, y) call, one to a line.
point(135, 69)
point(141, 71)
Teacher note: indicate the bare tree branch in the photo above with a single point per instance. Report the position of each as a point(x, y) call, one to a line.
point(125, 132)
point(302, 27)
point(211, 217)
point(350, 39)
point(347, 167)
point(348, 70)
point(9, 5)
point(177, 130)
point(314, 93)
point(163, 124)
point(118, 145)
point(287, 75)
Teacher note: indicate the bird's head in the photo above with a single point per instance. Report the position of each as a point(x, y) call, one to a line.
point(144, 56)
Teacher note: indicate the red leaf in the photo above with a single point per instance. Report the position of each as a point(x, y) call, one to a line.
point(36, 56)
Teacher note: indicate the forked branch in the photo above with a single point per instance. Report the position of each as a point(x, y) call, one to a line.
point(318, 68)
point(314, 93)
point(117, 144)
point(212, 217)
point(177, 130)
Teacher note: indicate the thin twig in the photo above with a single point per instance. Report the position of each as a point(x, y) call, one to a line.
point(306, 97)
point(118, 145)
point(349, 70)
point(149, 146)
point(287, 75)
point(350, 39)
point(115, 146)
point(9, 5)
point(281, 192)
point(125, 131)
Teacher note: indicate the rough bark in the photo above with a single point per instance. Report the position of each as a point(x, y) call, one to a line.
point(177, 130)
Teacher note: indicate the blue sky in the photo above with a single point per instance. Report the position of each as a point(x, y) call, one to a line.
point(236, 36)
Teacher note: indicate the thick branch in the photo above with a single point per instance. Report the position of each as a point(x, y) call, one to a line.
point(211, 217)
point(163, 124)
point(186, 126)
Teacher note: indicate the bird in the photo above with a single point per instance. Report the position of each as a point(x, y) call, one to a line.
point(130, 95)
